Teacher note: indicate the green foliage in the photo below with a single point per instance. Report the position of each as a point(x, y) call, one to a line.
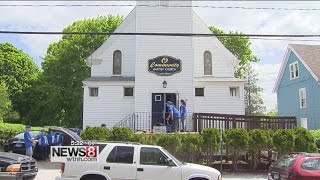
point(239, 46)
point(191, 143)
point(95, 133)
point(304, 141)
point(122, 134)
point(6, 112)
point(237, 139)
point(18, 71)
point(258, 141)
point(149, 139)
point(255, 104)
point(172, 142)
point(8, 131)
point(283, 141)
point(272, 112)
point(211, 142)
point(316, 135)
point(64, 68)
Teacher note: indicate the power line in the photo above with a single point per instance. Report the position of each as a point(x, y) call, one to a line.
point(178, 6)
point(160, 34)
point(279, 37)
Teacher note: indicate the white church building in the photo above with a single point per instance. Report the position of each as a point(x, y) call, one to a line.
point(133, 76)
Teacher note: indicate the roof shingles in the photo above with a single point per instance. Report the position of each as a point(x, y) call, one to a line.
point(310, 54)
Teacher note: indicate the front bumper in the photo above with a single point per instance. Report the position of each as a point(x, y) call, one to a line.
point(18, 175)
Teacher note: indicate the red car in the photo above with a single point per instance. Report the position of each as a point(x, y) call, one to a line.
point(300, 166)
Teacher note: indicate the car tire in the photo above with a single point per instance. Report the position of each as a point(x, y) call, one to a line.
point(93, 177)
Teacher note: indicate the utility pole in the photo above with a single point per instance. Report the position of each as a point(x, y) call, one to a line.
point(221, 148)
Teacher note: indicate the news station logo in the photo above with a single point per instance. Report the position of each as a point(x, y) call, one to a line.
point(74, 153)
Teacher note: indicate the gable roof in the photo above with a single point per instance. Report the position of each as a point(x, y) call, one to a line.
point(309, 55)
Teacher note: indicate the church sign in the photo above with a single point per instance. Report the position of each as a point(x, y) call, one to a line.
point(164, 65)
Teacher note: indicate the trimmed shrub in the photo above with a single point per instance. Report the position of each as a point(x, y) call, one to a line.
point(148, 139)
point(8, 131)
point(236, 141)
point(283, 141)
point(191, 143)
point(304, 141)
point(122, 134)
point(95, 133)
point(316, 135)
point(171, 142)
point(258, 141)
point(211, 142)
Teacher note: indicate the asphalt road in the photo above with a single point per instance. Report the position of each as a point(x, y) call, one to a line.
point(50, 174)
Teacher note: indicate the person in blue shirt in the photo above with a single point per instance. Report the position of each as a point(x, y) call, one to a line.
point(58, 138)
point(175, 115)
point(78, 132)
point(183, 113)
point(51, 141)
point(28, 141)
point(43, 143)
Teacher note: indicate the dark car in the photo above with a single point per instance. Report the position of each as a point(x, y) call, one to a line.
point(16, 144)
point(300, 166)
point(17, 167)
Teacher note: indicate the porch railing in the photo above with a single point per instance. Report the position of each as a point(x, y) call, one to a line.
point(226, 121)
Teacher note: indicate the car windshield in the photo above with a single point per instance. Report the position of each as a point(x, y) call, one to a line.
point(311, 164)
point(286, 161)
point(33, 134)
point(172, 157)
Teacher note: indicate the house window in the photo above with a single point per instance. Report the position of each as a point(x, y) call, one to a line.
point(234, 92)
point(199, 92)
point(303, 97)
point(93, 92)
point(128, 91)
point(294, 70)
point(117, 62)
point(304, 122)
point(207, 57)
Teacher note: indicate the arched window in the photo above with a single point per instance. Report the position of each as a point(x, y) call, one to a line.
point(117, 62)
point(207, 59)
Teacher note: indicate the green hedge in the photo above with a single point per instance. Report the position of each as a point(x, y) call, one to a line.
point(8, 131)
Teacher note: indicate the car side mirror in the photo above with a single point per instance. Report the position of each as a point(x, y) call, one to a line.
point(169, 162)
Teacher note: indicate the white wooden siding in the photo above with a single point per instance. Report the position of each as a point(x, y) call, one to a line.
point(222, 60)
point(147, 47)
point(217, 98)
point(109, 107)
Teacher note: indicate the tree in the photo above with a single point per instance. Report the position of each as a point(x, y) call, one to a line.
point(211, 142)
point(64, 69)
point(254, 102)
point(273, 112)
point(239, 46)
point(258, 141)
point(236, 141)
point(304, 141)
point(18, 71)
point(283, 141)
point(6, 112)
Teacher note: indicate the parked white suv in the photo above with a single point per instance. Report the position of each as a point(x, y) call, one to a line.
point(136, 161)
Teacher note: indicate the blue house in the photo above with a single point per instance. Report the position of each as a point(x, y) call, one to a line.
point(298, 86)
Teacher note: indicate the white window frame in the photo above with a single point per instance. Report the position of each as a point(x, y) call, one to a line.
point(237, 92)
point(90, 88)
point(293, 67)
point(302, 98)
point(304, 123)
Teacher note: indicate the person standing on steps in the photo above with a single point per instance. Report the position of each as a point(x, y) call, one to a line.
point(183, 113)
point(174, 114)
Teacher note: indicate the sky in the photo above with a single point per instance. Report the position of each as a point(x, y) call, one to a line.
point(250, 21)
